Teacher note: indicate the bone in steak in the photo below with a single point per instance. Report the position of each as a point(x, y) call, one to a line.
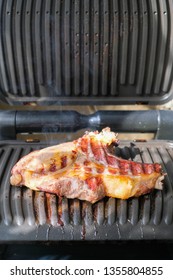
point(86, 169)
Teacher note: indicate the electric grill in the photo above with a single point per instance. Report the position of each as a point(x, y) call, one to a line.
point(85, 53)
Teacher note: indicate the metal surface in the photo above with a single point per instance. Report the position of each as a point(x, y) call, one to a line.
point(26, 215)
point(86, 52)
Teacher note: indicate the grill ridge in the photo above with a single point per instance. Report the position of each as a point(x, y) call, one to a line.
point(37, 43)
point(163, 29)
point(124, 36)
point(133, 40)
point(8, 45)
point(28, 207)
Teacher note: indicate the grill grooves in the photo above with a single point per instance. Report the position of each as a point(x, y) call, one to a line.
point(84, 47)
point(123, 33)
point(51, 203)
point(168, 195)
point(37, 43)
point(153, 33)
point(163, 29)
point(105, 47)
point(3, 162)
point(158, 211)
point(134, 209)
point(122, 211)
point(6, 190)
point(145, 210)
point(111, 211)
point(40, 208)
point(27, 42)
point(95, 44)
point(133, 41)
point(46, 44)
point(66, 45)
point(75, 212)
point(76, 48)
point(142, 48)
point(8, 46)
point(18, 50)
point(28, 207)
point(56, 48)
point(168, 62)
point(3, 76)
point(75, 56)
point(16, 206)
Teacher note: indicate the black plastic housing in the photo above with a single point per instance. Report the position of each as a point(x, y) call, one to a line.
point(158, 122)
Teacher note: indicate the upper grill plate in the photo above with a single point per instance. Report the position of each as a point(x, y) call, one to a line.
point(86, 52)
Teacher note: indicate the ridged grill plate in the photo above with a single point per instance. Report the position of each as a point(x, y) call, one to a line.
point(38, 216)
point(86, 52)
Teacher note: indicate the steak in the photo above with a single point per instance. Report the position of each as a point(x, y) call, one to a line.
point(87, 169)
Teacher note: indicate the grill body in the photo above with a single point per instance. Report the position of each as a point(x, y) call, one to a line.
point(85, 53)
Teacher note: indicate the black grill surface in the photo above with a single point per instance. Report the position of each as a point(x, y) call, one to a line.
point(101, 52)
point(26, 215)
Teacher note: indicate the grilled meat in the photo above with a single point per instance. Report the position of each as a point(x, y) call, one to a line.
point(86, 169)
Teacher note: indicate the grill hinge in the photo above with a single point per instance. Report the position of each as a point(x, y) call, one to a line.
point(155, 121)
point(7, 125)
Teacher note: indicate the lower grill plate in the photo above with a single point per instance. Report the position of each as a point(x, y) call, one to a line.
point(26, 215)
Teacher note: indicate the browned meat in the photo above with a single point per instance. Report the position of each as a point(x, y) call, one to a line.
point(86, 169)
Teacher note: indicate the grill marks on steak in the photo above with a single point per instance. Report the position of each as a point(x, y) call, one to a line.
point(119, 166)
point(86, 169)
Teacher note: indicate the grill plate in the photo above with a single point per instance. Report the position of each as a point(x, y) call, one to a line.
point(26, 215)
point(86, 52)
